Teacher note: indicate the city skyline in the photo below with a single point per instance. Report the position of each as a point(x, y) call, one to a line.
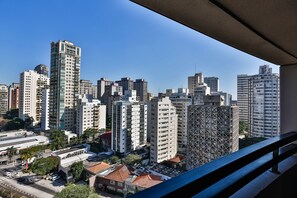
point(118, 39)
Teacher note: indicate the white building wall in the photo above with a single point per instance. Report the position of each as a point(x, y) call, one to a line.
point(90, 114)
point(163, 129)
point(31, 85)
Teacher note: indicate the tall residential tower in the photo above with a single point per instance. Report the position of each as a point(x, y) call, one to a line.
point(64, 84)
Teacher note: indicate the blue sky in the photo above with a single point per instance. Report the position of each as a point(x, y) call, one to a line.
point(118, 39)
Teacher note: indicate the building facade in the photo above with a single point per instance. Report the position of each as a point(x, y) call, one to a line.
point(101, 87)
point(140, 85)
point(213, 83)
point(243, 97)
point(129, 123)
point(42, 69)
point(126, 83)
point(91, 114)
point(194, 81)
point(200, 91)
point(45, 110)
point(14, 96)
point(31, 86)
point(264, 103)
point(212, 131)
point(86, 87)
point(181, 100)
point(258, 99)
point(64, 84)
point(3, 99)
point(162, 127)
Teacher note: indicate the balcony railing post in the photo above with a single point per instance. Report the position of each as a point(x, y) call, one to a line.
point(275, 154)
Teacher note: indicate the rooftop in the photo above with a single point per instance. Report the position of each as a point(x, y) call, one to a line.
point(147, 180)
point(120, 173)
point(98, 167)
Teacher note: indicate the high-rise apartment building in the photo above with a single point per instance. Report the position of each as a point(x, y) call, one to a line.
point(113, 92)
point(126, 83)
point(90, 114)
point(94, 91)
point(162, 127)
point(213, 83)
point(259, 103)
point(45, 109)
point(243, 97)
point(13, 96)
point(86, 87)
point(31, 86)
point(3, 99)
point(181, 100)
point(264, 103)
point(64, 84)
point(101, 87)
point(41, 69)
point(200, 91)
point(129, 123)
point(194, 81)
point(140, 85)
point(226, 96)
point(212, 131)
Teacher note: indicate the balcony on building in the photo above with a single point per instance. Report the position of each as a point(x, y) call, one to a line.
point(267, 30)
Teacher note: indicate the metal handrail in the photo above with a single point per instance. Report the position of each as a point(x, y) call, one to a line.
point(203, 177)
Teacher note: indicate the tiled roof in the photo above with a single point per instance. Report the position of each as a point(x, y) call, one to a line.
point(120, 174)
point(98, 167)
point(176, 159)
point(147, 181)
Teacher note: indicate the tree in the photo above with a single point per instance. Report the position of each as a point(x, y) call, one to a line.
point(132, 159)
point(11, 151)
point(27, 155)
point(76, 170)
point(44, 166)
point(57, 140)
point(29, 122)
point(76, 191)
point(89, 133)
point(14, 124)
point(14, 113)
point(114, 159)
point(242, 127)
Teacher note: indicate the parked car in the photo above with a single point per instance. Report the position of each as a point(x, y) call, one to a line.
point(7, 173)
point(26, 180)
point(55, 177)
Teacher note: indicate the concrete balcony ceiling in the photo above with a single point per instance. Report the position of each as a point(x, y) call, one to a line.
point(265, 29)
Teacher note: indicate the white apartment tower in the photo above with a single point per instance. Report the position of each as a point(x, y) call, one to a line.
point(162, 126)
point(212, 131)
point(64, 84)
point(258, 99)
point(194, 81)
point(31, 86)
point(264, 103)
point(129, 123)
point(200, 91)
point(90, 114)
point(181, 100)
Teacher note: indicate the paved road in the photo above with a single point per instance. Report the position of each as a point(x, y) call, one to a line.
point(36, 186)
point(42, 188)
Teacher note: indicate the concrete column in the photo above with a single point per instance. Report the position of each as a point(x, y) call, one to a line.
point(288, 98)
